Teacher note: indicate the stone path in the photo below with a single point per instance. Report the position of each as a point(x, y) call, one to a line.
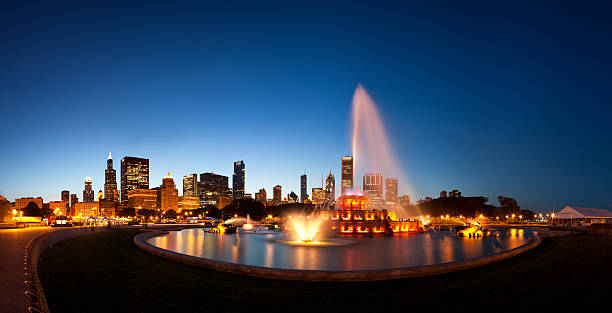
point(12, 250)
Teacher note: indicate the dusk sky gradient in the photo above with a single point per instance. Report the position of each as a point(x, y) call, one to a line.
point(491, 98)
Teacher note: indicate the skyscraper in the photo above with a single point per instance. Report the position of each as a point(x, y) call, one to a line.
point(391, 191)
point(347, 174)
point(73, 199)
point(66, 197)
point(238, 180)
point(190, 185)
point(168, 195)
point(110, 180)
point(134, 175)
point(212, 186)
point(373, 189)
point(88, 193)
point(330, 186)
point(303, 190)
point(277, 193)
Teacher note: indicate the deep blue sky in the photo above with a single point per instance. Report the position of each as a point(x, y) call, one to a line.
point(491, 98)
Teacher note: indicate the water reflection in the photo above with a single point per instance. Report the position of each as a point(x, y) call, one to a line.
point(364, 252)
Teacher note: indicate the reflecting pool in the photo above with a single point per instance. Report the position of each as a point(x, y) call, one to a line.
point(350, 252)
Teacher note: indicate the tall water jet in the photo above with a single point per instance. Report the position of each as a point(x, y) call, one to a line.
point(372, 152)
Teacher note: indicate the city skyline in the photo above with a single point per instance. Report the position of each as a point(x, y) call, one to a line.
point(195, 97)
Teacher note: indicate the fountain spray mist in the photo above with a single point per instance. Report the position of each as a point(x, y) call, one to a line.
point(372, 152)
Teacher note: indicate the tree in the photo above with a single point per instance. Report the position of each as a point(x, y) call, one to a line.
point(32, 209)
point(146, 213)
point(212, 211)
point(242, 207)
point(127, 212)
point(170, 214)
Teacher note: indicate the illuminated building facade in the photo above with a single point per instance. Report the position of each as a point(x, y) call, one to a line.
point(188, 203)
point(21, 203)
point(142, 199)
point(238, 180)
point(88, 193)
point(58, 207)
point(330, 186)
point(404, 201)
point(352, 217)
point(277, 194)
point(107, 208)
point(134, 175)
point(261, 196)
point(190, 185)
point(443, 194)
point(110, 180)
point(373, 189)
point(347, 175)
point(223, 201)
point(168, 195)
point(211, 187)
point(84, 209)
point(319, 195)
point(391, 191)
point(303, 190)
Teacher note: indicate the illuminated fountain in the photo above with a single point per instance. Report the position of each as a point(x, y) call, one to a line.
point(305, 229)
point(356, 235)
point(372, 152)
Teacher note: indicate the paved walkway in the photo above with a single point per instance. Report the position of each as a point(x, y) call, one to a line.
point(12, 251)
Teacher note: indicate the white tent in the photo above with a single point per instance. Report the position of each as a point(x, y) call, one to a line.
point(588, 215)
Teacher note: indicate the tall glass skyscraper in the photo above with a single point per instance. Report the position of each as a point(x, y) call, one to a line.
point(303, 189)
point(110, 180)
point(347, 174)
point(134, 175)
point(88, 193)
point(238, 180)
point(190, 185)
point(330, 186)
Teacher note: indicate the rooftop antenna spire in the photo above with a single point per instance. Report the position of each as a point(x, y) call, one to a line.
point(109, 155)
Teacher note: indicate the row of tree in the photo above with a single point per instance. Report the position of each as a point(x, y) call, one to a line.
point(473, 206)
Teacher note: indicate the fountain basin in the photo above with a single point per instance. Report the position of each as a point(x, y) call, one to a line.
point(242, 254)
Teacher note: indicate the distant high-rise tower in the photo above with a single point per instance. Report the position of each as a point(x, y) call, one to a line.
point(303, 190)
point(238, 180)
point(330, 186)
point(347, 174)
point(110, 180)
point(391, 191)
point(373, 188)
point(88, 193)
point(134, 175)
point(190, 185)
point(73, 199)
point(168, 195)
point(66, 197)
point(277, 194)
point(443, 194)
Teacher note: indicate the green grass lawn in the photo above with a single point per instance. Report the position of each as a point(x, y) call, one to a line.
point(106, 273)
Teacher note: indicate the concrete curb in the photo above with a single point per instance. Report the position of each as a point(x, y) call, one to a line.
point(35, 295)
point(140, 241)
